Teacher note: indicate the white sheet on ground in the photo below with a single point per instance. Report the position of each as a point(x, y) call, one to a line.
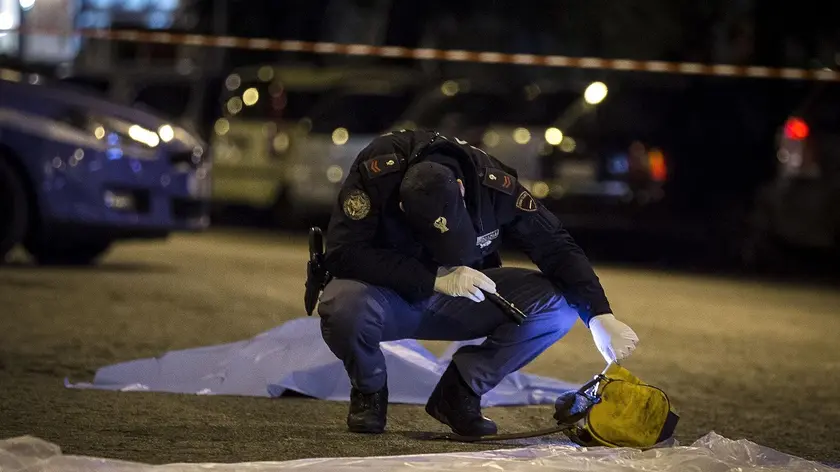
point(294, 357)
point(712, 453)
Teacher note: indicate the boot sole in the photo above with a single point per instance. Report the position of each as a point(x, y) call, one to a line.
point(434, 413)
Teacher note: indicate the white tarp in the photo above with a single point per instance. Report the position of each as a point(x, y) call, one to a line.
point(294, 356)
point(712, 453)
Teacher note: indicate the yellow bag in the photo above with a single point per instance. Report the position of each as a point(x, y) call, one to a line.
point(617, 409)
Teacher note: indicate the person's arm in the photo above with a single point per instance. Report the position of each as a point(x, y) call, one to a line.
point(542, 237)
point(351, 251)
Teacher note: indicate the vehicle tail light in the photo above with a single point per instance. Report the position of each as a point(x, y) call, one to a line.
point(658, 168)
point(796, 129)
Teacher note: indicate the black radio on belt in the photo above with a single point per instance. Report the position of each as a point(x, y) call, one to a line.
point(316, 273)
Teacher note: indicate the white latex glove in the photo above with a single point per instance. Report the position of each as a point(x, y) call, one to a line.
point(614, 339)
point(463, 282)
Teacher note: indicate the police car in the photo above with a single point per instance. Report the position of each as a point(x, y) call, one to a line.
point(78, 173)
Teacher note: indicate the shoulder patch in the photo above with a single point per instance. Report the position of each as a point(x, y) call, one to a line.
point(356, 205)
point(381, 165)
point(499, 180)
point(526, 202)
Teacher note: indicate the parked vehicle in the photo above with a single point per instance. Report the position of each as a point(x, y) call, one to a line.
point(251, 140)
point(287, 135)
point(333, 133)
point(79, 172)
point(597, 165)
point(799, 208)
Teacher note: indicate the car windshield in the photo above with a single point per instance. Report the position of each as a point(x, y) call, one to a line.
point(358, 113)
point(89, 85)
point(169, 100)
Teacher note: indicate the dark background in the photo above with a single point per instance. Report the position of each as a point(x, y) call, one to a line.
point(746, 358)
point(719, 133)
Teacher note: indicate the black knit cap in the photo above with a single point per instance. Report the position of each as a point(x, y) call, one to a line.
point(435, 209)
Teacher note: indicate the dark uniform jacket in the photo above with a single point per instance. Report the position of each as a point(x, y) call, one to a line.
point(368, 238)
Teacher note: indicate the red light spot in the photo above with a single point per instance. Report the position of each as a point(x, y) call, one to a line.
point(796, 129)
point(658, 168)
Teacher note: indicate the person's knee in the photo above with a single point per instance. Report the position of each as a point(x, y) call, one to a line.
point(531, 291)
point(562, 315)
point(540, 299)
point(351, 312)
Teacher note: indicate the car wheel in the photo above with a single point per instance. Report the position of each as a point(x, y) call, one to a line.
point(73, 252)
point(14, 211)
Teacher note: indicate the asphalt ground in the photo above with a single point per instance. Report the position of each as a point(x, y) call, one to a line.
point(747, 359)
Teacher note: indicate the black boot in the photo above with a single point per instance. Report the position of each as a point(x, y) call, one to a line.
point(368, 411)
point(454, 404)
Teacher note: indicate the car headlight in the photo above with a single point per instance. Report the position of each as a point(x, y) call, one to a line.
point(166, 133)
point(115, 133)
point(144, 136)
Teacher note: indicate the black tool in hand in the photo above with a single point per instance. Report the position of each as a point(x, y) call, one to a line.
point(507, 307)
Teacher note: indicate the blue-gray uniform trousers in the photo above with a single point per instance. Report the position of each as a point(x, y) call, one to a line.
point(356, 317)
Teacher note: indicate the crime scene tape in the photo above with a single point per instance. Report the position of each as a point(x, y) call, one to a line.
point(486, 57)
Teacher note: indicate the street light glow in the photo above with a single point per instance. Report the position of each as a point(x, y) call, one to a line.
point(595, 93)
point(553, 136)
